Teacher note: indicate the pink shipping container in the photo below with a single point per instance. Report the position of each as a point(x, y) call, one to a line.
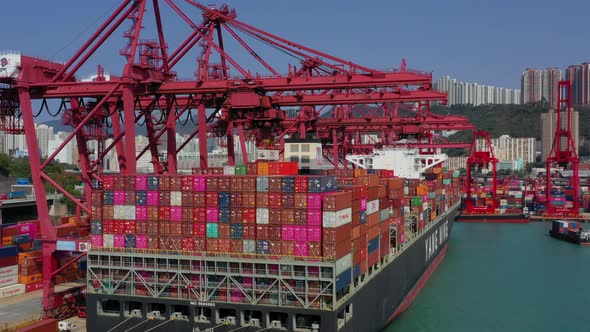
point(287, 233)
point(141, 242)
point(200, 183)
point(314, 217)
point(314, 234)
point(28, 228)
point(300, 233)
point(119, 241)
point(119, 197)
point(141, 212)
point(176, 214)
point(212, 214)
point(96, 241)
point(314, 201)
point(153, 198)
point(141, 182)
point(301, 249)
point(363, 204)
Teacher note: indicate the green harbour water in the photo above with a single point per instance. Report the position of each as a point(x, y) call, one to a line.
point(504, 277)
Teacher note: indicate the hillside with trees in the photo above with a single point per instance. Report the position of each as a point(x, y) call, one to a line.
point(513, 120)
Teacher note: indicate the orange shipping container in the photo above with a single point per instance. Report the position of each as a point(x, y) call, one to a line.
point(29, 279)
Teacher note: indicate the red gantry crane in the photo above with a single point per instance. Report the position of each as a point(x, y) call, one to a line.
point(563, 154)
point(480, 157)
point(334, 100)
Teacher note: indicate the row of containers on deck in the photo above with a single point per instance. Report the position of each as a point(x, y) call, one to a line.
point(514, 195)
point(20, 257)
point(344, 216)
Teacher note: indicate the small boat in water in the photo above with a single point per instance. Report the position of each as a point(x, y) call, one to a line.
point(569, 231)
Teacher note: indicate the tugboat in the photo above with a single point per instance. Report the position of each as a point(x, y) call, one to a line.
point(569, 231)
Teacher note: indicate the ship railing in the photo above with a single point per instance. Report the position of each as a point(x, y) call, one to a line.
point(216, 255)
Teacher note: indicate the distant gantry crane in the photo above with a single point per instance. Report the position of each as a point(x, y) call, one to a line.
point(564, 155)
point(336, 101)
point(480, 157)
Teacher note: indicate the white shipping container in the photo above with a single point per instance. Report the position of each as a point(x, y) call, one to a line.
point(262, 216)
point(373, 206)
point(8, 280)
point(406, 209)
point(503, 202)
point(406, 191)
point(119, 212)
point(333, 219)
point(12, 290)
point(108, 240)
point(229, 170)
point(344, 263)
point(8, 271)
point(175, 198)
point(424, 205)
point(129, 212)
point(249, 247)
point(268, 154)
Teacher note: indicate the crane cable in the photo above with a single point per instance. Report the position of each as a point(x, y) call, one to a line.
point(155, 327)
point(123, 322)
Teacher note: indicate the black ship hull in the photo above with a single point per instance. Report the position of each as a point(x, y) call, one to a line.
point(383, 295)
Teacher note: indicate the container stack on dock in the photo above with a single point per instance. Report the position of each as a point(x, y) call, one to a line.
point(9, 285)
point(510, 193)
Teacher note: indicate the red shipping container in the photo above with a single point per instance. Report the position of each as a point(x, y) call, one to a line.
point(249, 216)
point(274, 216)
point(249, 199)
point(164, 213)
point(200, 230)
point(262, 232)
point(337, 234)
point(314, 249)
point(164, 228)
point(262, 199)
point(235, 215)
point(175, 229)
point(249, 232)
point(288, 216)
point(301, 184)
point(374, 231)
point(224, 231)
point(200, 244)
point(108, 182)
point(141, 227)
point(199, 215)
point(188, 198)
point(224, 245)
point(373, 219)
point(275, 232)
point(199, 199)
point(108, 212)
point(300, 200)
point(153, 228)
point(274, 247)
point(288, 200)
point(337, 201)
point(384, 248)
point(301, 217)
point(288, 248)
point(130, 227)
point(187, 228)
point(186, 182)
point(33, 287)
point(236, 200)
point(212, 199)
point(164, 198)
point(356, 232)
point(188, 244)
point(275, 200)
point(153, 242)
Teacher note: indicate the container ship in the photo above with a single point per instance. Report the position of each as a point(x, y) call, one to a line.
point(263, 247)
point(569, 231)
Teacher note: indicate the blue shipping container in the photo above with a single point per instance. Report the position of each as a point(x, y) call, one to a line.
point(343, 279)
point(373, 245)
point(8, 251)
point(356, 271)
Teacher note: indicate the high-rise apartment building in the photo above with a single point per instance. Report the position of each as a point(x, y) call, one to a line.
point(550, 78)
point(475, 94)
point(579, 77)
point(530, 86)
point(548, 126)
point(511, 148)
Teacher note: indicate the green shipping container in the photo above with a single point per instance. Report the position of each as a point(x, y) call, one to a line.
point(456, 174)
point(446, 181)
point(240, 169)
point(416, 201)
point(212, 230)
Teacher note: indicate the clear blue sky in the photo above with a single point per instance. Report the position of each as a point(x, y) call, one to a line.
point(489, 42)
